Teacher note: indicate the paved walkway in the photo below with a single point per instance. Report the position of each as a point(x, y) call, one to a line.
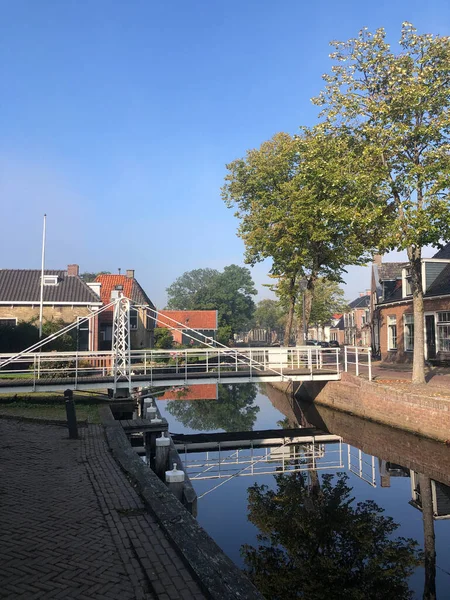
point(436, 377)
point(72, 526)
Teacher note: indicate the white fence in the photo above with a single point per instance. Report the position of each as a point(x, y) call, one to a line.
point(359, 357)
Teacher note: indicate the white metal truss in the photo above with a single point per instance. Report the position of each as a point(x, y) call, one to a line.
point(121, 344)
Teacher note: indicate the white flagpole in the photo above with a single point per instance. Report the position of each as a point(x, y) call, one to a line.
point(41, 304)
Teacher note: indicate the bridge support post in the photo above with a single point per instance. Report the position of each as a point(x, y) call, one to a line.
point(71, 415)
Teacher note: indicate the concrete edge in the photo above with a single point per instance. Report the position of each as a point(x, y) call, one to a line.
point(218, 576)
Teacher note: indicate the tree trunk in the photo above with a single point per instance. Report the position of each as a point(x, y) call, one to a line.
point(290, 317)
point(429, 590)
point(415, 262)
point(309, 297)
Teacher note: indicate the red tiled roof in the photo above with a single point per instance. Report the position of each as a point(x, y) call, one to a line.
point(202, 391)
point(195, 319)
point(131, 288)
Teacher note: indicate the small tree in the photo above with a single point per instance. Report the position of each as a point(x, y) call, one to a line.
point(163, 339)
point(398, 105)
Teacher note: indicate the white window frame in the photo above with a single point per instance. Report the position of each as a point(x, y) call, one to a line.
point(443, 324)
point(9, 319)
point(392, 340)
point(408, 338)
point(50, 280)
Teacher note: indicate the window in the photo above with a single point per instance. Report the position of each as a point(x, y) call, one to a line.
point(408, 326)
point(408, 289)
point(133, 318)
point(50, 279)
point(392, 333)
point(8, 322)
point(149, 322)
point(83, 334)
point(443, 331)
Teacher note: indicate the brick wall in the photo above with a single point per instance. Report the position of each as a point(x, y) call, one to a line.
point(423, 415)
point(398, 310)
point(67, 313)
point(400, 447)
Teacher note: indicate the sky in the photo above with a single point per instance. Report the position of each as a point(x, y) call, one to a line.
point(118, 118)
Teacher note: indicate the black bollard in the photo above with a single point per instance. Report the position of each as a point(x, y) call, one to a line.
point(71, 415)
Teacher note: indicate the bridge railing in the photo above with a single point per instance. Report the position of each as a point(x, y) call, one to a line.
point(358, 359)
point(36, 366)
point(276, 361)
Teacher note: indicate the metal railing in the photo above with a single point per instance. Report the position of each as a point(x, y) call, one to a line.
point(272, 361)
point(360, 357)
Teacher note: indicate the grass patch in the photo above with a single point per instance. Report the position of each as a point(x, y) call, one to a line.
point(41, 410)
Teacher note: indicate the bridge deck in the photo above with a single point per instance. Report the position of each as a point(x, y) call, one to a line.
point(165, 378)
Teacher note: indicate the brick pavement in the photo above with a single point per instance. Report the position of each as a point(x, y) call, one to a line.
point(72, 526)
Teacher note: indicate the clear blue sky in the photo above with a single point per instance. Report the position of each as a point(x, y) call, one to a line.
point(117, 120)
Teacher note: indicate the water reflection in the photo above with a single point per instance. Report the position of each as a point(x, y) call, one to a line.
point(315, 542)
point(234, 410)
point(302, 529)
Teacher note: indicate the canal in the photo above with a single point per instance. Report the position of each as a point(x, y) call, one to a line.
point(333, 519)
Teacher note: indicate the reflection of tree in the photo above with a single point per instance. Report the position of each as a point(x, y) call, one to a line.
point(429, 592)
point(234, 410)
point(316, 544)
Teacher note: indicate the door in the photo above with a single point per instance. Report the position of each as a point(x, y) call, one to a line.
point(430, 329)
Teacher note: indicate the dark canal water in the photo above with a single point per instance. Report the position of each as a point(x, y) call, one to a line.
point(343, 521)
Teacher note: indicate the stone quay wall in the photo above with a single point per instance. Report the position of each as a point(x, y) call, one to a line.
point(425, 415)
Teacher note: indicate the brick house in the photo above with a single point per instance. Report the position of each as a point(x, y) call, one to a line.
point(65, 297)
point(392, 310)
point(203, 321)
point(142, 322)
point(357, 321)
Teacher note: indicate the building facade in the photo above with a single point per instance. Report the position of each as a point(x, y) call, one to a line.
point(65, 297)
point(392, 309)
point(189, 327)
point(357, 321)
point(142, 313)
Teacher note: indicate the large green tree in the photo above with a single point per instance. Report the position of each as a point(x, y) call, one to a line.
point(184, 292)
point(300, 205)
point(230, 292)
point(234, 410)
point(316, 543)
point(398, 105)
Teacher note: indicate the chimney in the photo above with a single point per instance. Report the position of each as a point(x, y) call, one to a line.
point(377, 259)
point(73, 270)
point(130, 273)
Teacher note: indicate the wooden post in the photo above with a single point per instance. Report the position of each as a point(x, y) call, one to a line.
point(175, 482)
point(162, 455)
point(71, 415)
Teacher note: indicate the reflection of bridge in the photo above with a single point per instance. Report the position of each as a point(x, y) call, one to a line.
point(33, 370)
point(251, 453)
